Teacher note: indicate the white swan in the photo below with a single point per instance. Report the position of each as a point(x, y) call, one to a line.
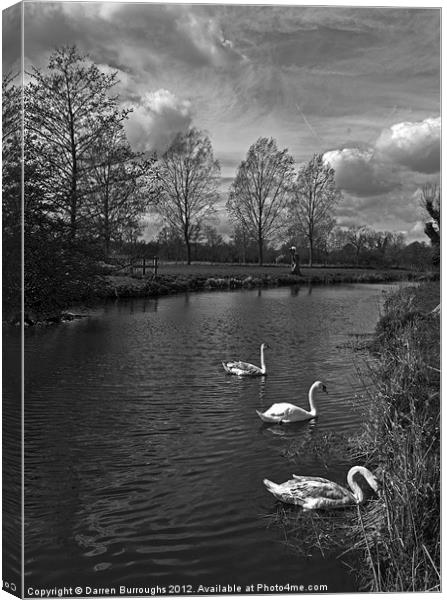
point(244, 368)
point(316, 492)
point(283, 412)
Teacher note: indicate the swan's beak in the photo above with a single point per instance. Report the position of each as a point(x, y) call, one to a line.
point(378, 487)
point(325, 389)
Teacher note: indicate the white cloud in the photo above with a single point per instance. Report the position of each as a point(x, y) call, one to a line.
point(156, 121)
point(416, 146)
point(383, 166)
point(360, 172)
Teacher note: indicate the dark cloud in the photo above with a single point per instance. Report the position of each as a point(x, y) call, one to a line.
point(396, 211)
point(11, 39)
point(240, 71)
point(360, 172)
point(131, 35)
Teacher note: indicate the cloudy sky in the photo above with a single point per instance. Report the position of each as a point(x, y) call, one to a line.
point(361, 85)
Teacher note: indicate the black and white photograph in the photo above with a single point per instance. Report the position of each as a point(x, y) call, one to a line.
point(221, 242)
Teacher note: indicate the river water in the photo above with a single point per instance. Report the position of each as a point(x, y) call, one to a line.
point(144, 461)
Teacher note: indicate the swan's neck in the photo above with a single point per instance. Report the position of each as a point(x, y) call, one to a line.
point(356, 489)
point(263, 369)
point(312, 402)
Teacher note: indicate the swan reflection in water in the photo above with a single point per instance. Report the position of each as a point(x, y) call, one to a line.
point(300, 430)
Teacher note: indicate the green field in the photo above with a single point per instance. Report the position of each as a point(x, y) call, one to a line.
point(247, 270)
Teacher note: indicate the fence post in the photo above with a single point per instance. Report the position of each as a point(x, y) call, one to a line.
point(144, 265)
point(155, 263)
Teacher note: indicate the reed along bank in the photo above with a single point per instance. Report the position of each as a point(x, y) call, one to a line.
point(400, 536)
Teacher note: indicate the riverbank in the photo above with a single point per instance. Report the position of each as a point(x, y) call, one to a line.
point(393, 540)
point(400, 535)
point(176, 278)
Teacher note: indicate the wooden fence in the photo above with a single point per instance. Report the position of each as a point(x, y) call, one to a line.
point(143, 263)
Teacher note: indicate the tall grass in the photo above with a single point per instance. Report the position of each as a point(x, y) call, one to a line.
point(400, 535)
point(393, 540)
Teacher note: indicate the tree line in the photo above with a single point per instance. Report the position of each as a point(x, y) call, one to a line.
point(376, 249)
point(85, 190)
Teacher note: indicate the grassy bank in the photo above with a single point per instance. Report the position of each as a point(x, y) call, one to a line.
point(104, 283)
point(400, 535)
point(175, 278)
point(392, 542)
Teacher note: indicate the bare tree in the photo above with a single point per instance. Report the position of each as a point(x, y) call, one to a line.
point(337, 239)
point(122, 187)
point(359, 236)
point(389, 244)
point(259, 194)
point(214, 242)
point(323, 237)
point(314, 199)
point(188, 176)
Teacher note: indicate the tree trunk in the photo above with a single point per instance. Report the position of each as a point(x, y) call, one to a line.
point(73, 198)
point(106, 235)
point(311, 251)
point(431, 232)
point(73, 216)
point(188, 250)
point(74, 173)
point(261, 254)
point(107, 246)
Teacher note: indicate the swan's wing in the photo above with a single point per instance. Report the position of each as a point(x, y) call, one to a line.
point(295, 413)
point(286, 411)
point(278, 410)
point(268, 418)
point(243, 367)
point(319, 488)
point(311, 493)
point(307, 478)
point(284, 492)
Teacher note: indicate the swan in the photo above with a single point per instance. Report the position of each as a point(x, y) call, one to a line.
point(283, 412)
point(316, 492)
point(244, 368)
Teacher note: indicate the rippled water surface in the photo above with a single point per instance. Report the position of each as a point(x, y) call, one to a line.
point(144, 460)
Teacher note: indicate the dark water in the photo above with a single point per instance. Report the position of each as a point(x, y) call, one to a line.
point(144, 460)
